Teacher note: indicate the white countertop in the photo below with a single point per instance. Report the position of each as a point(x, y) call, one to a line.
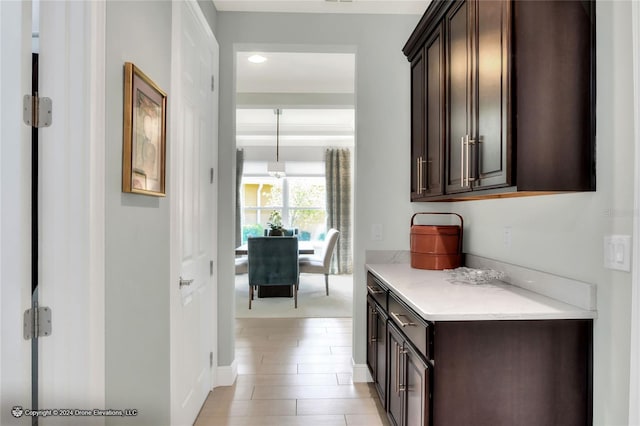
point(434, 298)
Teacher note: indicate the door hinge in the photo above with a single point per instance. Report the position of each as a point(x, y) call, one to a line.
point(213, 83)
point(36, 111)
point(211, 267)
point(37, 322)
point(211, 359)
point(211, 176)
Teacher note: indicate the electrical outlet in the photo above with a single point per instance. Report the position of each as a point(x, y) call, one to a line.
point(506, 236)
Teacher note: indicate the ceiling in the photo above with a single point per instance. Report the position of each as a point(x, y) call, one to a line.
point(285, 72)
point(402, 7)
point(298, 127)
point(315, 92)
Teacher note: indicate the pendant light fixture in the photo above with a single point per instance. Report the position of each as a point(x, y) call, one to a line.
point(276, 169)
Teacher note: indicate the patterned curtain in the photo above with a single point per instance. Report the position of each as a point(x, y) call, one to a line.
point(239, 171)
point(338, 175)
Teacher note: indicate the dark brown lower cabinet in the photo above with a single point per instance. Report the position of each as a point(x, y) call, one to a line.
point(522, 372)
point(409, 386)
point(377, 346)
point(480, 373)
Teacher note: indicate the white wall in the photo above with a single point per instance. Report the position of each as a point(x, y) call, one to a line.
point(137, 229)
point(563, 234)
point(382, 130)
point(634, 387)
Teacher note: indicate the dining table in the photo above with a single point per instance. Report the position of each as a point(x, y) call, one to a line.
point(304, 247)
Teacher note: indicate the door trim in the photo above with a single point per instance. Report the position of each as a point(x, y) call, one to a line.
point(72, 192)
point(15, 207)
point(634, 374)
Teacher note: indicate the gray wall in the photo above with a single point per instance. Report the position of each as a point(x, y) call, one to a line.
point(382, 131)
point(137, 230)
point(210, 13)
point(561, 234)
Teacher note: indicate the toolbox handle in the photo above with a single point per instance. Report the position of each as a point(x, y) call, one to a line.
point(461, 226)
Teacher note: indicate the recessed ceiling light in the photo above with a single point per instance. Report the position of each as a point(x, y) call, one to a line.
point(257, 59)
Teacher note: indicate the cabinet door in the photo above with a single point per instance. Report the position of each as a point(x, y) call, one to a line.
point(371, 336)
point(418, 125)
point(417, 389)
point(381, 355)
point(394, 367)
point(490, 162)
point(458, 111)
point(427, 118)
point(435, 109)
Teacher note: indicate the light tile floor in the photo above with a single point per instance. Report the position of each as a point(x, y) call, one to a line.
point(293, 371)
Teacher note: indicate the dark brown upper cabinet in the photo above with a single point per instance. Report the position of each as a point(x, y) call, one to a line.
point(502, 99)
point(427, 118)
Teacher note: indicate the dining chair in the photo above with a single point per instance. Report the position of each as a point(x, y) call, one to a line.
point(273, 262)
point(321, 264)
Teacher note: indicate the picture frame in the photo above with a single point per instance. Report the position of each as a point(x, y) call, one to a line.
point(144, 134)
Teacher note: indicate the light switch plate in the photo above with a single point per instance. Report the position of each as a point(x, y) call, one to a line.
point(376, 232)
point(617, 252)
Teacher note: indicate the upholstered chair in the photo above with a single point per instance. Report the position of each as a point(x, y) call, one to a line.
point(321, 264)
point(273, 261)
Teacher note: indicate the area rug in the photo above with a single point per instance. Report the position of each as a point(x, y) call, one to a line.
point(312, 299)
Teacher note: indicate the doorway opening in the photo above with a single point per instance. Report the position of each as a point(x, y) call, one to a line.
point(295, 111)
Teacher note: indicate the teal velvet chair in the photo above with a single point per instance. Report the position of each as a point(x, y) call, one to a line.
point(273, 261)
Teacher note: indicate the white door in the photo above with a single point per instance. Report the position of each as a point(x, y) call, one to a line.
point(193, 106)
point(15, 208)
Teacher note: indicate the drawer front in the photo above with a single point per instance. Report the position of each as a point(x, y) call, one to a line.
point(415, 328)
point(377, 290)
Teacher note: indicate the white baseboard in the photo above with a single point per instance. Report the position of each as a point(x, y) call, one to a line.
point(361, 373)
point(227, 374)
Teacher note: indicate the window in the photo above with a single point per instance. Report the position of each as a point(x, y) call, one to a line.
point(300, 200)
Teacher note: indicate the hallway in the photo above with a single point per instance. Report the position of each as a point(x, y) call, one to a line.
point(293, 371)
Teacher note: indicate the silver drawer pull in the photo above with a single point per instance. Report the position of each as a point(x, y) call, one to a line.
point(402, 323)
point(373, 290)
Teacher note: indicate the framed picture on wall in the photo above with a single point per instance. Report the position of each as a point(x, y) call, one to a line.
point(145, 135)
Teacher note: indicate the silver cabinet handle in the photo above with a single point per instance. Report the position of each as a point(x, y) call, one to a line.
point(465, 161)
point(402, 354)
point(373, 338)
point(422, 188)
point(397, 354)
point(469, 177)
point(373, 290)
point(184, 282)
point(467, 165)
point(462, 161)
point(418, 177)
point(402, 323)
